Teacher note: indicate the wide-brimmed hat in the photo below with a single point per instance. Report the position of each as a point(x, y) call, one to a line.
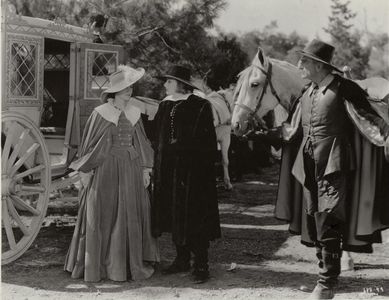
point(181, 74)
point(320, 51)
point(124, 77)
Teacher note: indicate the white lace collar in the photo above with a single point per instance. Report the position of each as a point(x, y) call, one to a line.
point(176, 97)
point(110, 113)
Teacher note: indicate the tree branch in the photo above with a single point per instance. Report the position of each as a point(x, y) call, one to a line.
point(147, 31)
point(166, 44)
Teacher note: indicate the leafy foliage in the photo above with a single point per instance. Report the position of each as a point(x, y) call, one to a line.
point(348, 50)
point(229, 60)
point(278, 45)
point(379, 55)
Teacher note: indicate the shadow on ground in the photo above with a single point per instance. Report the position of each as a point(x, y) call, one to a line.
point(265, 257)
point(41, 267)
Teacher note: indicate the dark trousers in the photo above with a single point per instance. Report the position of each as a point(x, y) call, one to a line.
point(199, 248)
point(325, 199)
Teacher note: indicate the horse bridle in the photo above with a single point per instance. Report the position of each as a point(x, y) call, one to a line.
point(268, 82)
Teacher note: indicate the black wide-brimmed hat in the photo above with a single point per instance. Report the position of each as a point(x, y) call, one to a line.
point(320, 51)
point(180, 73)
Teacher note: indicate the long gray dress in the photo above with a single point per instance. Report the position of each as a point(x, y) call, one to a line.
point(112, 238)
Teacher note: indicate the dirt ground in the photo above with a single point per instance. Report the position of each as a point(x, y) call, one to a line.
point(270, 263)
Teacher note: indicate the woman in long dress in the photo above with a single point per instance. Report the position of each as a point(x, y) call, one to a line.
point(112, 238)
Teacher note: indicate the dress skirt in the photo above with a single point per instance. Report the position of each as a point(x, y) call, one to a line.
point(112, 238)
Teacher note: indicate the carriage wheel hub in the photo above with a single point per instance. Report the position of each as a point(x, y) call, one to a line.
point(7, 185)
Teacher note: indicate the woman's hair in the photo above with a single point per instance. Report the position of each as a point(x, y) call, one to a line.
point(111, 96)
point(184, 88)
point(136, 89)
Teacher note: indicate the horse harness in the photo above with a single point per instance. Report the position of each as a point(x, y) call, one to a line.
point(269, 83)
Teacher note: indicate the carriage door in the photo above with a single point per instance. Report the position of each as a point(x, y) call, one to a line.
point(95, 62)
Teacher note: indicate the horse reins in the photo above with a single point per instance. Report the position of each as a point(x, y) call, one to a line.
point(268, 82)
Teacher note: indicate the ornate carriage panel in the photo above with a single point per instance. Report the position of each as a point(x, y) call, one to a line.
point(24, 72)
point(56, 29)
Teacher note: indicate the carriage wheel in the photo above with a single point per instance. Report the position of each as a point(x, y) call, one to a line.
point(25, 184)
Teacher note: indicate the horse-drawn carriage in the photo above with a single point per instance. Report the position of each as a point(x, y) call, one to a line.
point(52, 78)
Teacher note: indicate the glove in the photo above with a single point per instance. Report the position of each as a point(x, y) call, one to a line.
point(146, 177)
point(273, 136)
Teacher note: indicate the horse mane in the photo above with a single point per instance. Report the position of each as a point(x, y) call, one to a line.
point(285, 65)
point(295, 82)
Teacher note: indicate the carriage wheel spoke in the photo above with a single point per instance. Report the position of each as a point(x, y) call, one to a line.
point(6, 149)
point(25, 156)
point(28, 193)
point(29, 172)
point(8, 227)
point(24, 206)
point(32, 188)
point(16, 149)
point(16, 217)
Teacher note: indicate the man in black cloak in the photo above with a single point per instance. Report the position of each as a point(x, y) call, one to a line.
point(184, 195)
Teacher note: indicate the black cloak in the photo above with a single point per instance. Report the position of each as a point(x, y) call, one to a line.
point(184, 198)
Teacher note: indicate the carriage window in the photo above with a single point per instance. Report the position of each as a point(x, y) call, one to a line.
point(57, 62)
point(23, 70)
point(99, 66)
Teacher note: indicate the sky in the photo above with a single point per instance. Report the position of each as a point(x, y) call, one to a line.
point(306, 17)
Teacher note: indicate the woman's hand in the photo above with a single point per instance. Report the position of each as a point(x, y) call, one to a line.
point(146, 177)
point(85, 178)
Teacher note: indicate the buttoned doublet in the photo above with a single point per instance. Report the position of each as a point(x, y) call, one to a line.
point(123, 138)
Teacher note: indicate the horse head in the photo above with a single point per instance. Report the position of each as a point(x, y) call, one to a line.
point(261, 87)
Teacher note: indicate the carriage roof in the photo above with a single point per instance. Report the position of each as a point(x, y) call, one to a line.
point(55, 29)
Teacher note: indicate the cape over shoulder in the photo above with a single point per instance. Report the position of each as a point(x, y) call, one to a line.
point(198, 102)
point(111, 114)
point(197, 99)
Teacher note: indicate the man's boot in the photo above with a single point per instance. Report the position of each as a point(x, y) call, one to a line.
point(328, 276)
point(322, 292)
point(200, 272)
point(181, 263)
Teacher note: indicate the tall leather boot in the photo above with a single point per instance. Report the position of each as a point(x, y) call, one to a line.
point(328, 276)
point(201, 269)
point(329, 238)
point(182, 261)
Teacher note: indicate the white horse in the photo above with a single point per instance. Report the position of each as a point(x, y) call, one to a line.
point(270, 84)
